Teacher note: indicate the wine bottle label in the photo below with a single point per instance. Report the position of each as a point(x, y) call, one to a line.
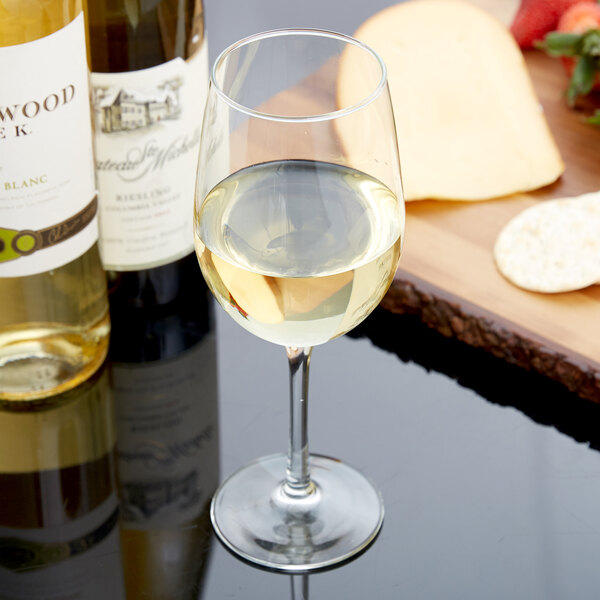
point(47, 212)
point(167, 431)
point(147, 135)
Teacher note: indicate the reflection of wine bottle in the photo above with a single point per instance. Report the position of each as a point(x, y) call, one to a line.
point(150, 76)
point(59, 534)
point(54, 318)
point(165, 386)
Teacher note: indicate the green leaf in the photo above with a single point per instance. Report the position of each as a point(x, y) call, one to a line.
point(590, 44)
point(595, 118)
point(583, 79)
point(560, 44)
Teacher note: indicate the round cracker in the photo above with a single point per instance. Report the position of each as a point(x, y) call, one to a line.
point(553, 246)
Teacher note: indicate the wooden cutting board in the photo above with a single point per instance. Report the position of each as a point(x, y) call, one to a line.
point(448, 276)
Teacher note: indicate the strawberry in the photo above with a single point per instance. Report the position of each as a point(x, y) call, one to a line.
point(535, 18)
point(580, 19)
point(577, 43)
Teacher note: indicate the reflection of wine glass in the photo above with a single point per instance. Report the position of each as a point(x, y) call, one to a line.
point(298, 232)
point(299, 586)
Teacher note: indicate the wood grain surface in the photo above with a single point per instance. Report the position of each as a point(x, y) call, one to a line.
point(448, 276)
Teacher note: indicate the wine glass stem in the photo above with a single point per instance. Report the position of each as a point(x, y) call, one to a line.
point(298, 483)
point(299, 586)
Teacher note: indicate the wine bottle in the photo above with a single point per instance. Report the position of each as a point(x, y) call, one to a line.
point(149, 86)
point(164, 375)
point(54, 322)
point(59, 533)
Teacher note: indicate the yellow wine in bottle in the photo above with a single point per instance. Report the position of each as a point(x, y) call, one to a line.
point(54, 323)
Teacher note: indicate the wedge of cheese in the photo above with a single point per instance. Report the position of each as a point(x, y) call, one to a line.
point(303, 295)
point(256, 294)
point(469, 125)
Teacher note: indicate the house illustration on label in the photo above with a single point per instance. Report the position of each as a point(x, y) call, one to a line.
point(119, 109)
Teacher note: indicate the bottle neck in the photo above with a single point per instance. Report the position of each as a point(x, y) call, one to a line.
point(165, 320)
point(157, 287)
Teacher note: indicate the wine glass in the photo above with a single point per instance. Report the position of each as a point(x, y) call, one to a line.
point(299, 223)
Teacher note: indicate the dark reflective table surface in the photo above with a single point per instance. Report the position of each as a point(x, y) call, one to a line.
point(490, 475)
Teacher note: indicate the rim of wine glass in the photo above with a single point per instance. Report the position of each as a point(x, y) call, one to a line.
point(306, 118)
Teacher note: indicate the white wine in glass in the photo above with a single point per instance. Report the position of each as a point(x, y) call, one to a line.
point(298, 233)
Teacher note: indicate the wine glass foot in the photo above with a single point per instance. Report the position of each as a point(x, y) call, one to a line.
point(256, 519)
